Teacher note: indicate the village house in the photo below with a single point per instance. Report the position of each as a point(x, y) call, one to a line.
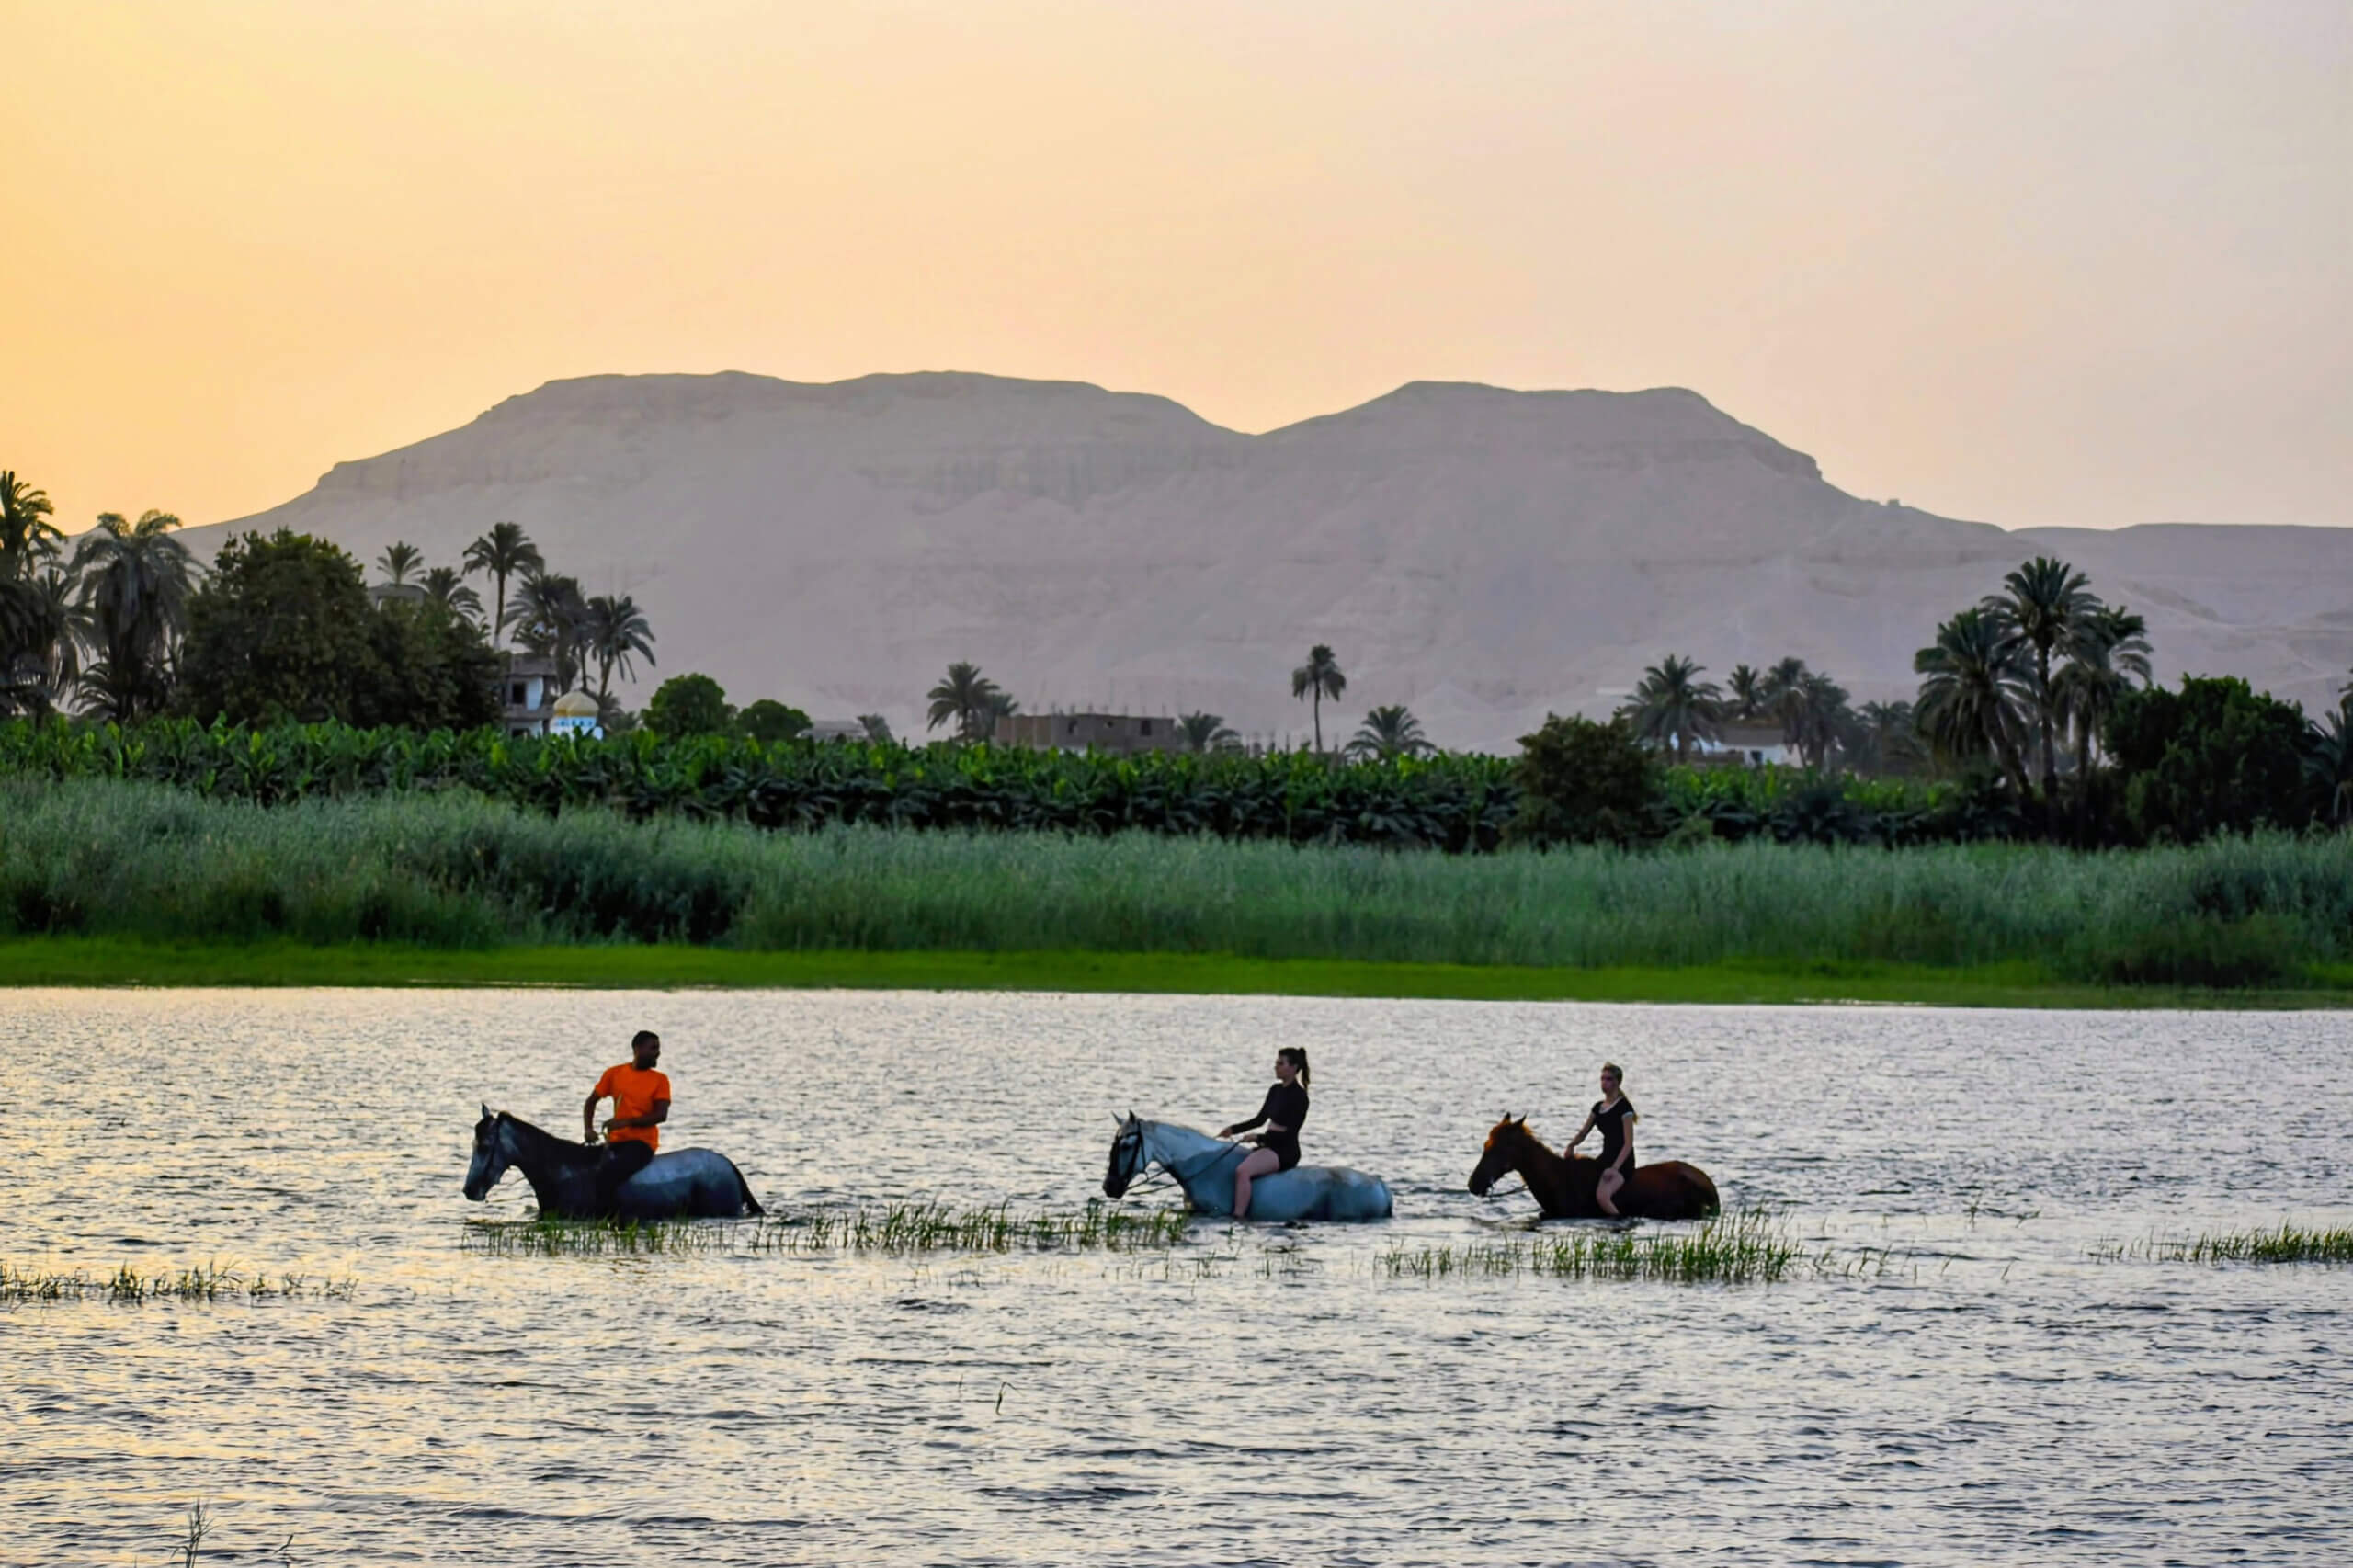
point(1746, 742)
point(528, 697)
point(1123, 735)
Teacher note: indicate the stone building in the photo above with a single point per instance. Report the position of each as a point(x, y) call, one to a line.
point(1120, 733)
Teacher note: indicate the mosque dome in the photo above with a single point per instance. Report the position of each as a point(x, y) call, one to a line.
point(575, 705)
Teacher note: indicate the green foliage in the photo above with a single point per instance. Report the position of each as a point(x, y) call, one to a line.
point(1452, 802)
point(769, 722)
point(2213, 758)
point(1583, 782)
point(283, 629)
point(280, 630)
point(432, 669)
point(689, 705)
point(451, 869)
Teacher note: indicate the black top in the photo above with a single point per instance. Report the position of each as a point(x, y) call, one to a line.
point(1286, 1104)
point(1612, 1124)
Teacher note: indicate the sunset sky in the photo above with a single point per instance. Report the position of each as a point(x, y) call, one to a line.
point(2029, 263)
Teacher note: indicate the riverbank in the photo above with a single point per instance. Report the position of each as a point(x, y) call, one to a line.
point(104, 882)
point(109, 961)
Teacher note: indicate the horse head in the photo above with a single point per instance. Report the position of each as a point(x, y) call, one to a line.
point(489, 1163)
point(1506, 1141)
point(1127, 1160)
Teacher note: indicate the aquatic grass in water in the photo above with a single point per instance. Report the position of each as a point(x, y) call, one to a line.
point(1741, 1249)
point(896, 1228)
point(207, 1282)
point(2288, 1243)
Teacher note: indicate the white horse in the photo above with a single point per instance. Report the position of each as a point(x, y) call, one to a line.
point(1204, 1165)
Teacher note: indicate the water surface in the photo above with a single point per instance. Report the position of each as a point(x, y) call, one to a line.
point(1994, 1394)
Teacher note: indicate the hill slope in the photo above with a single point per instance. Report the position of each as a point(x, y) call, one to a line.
point(1483, 556)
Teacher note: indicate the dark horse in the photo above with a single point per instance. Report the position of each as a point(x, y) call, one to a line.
point(1563, 1183)
point(692, 1184)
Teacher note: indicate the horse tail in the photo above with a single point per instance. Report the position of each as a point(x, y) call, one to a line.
point(743, 1190)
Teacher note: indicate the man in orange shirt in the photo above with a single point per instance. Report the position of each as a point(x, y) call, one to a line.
point(641, 1099)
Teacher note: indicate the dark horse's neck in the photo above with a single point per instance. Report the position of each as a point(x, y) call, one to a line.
point(555, 1166)
point(1562, 1184)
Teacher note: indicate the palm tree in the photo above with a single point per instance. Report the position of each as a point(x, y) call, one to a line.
point(504, 552)
point(1673, 705)
point(445, 587)
point(878, 727)
point(1000, 706)
point(1388, 734)
point(1745, 690)
point(41, 649)
point(26, 535)
point(1206, 732)
point(2045, 601)
point(964, 697)
point(547, 619)
point(133, 582)
point(2330, 761)
point(398, 561)
point(1318, 678)
point(2110, 646)
point(1975, 694)
point(613, 632)
point(1890, 742)
point(33, 627)
point(1777, 693)
point(1819, 718)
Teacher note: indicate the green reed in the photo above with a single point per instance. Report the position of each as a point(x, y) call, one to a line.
point(2286, 1244)
point(202, 1283)
point(1738, 1249)
point(458, 871)
point(889, 1229)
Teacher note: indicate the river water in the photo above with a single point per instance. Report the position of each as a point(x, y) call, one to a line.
point(1988, 1390)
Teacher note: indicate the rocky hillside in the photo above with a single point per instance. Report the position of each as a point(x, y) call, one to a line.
point(1482, 556)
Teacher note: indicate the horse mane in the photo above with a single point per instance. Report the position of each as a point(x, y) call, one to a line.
point(547, 1144)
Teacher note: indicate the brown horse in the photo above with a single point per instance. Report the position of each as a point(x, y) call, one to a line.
point(1563, 1183)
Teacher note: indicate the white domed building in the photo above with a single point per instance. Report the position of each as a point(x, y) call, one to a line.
point(575, 714)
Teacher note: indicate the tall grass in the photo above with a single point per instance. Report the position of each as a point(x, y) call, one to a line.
point(2289, 1243)
point(202, 1283)
point(893, 1229)
point(455, 871)
point(1731, 1250)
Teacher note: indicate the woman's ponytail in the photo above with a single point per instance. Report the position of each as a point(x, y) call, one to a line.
point(1297, 1055)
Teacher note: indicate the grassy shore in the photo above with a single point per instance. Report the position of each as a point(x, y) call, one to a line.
point(109, 961)
point(105, 883)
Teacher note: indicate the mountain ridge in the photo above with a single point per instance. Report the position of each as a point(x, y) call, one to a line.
point(1482, 554)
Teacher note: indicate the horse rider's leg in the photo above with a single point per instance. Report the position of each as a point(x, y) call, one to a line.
point(1607, 1189)
point(1261, 1162)
point(622, 1160)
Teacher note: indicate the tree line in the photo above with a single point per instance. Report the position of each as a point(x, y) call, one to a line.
point(127, 626)
point(973, 705)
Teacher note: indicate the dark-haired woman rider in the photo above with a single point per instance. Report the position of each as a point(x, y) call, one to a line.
point(1285, 1108)
point(1614, 1114)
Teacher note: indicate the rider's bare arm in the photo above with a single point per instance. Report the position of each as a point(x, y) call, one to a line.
point(588, 1117)
point(1581, 1132)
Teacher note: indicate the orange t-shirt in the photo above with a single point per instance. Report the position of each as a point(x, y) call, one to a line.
point(633, 1092)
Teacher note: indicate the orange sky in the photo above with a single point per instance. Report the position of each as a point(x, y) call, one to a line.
point(2029, 263)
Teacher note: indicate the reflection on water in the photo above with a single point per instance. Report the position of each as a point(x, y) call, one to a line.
point(1989, 1391)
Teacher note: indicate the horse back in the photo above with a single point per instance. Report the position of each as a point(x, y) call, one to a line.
point(701, 1184)
point(1671, 1190)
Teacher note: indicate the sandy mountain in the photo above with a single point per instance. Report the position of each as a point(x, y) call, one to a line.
point(1481, 555)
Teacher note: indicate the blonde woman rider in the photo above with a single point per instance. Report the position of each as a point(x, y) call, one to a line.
point(1614, 1114)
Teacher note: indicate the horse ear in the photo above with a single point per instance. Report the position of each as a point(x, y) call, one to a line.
point(485, 1109)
